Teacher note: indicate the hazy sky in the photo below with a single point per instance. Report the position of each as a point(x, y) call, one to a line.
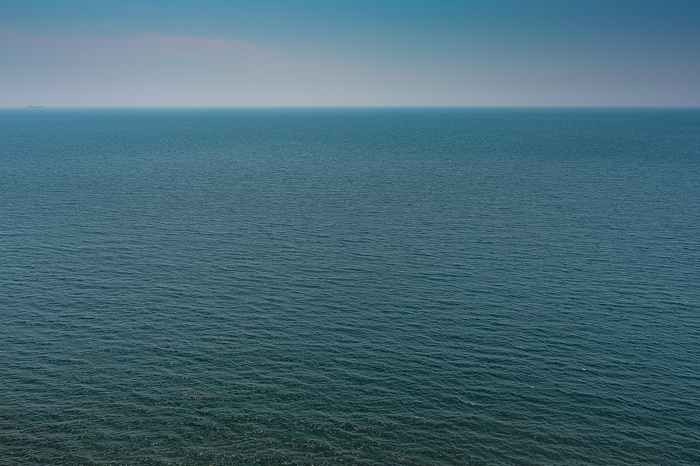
point(337, 52)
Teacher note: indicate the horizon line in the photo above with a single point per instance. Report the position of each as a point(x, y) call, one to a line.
point(338, 106)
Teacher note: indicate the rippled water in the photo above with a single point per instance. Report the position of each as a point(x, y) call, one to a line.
point(367, 286)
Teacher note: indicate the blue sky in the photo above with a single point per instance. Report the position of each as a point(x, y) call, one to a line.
point(311, 53)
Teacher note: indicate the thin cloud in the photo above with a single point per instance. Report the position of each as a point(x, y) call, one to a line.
point(152, 43)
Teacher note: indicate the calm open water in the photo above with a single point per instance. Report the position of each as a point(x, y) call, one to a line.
point(367, 286)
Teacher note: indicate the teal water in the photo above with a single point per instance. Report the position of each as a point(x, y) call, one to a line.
point(366, 286)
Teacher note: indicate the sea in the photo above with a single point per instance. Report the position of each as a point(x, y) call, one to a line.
point(369, 286)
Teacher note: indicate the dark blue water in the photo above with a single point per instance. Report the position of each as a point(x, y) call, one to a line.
point(365, 286)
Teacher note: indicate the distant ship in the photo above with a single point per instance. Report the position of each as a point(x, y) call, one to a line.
point(37, 106)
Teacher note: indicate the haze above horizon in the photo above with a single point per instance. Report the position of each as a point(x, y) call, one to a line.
point(349, 53)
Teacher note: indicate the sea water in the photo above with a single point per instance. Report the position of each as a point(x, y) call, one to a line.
point(368, 286)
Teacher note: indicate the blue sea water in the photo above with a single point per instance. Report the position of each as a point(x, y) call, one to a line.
point(368, 286)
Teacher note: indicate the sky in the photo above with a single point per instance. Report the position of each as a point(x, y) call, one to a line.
point(76, 53)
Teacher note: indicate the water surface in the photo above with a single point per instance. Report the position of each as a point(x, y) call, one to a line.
point(435, 286)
